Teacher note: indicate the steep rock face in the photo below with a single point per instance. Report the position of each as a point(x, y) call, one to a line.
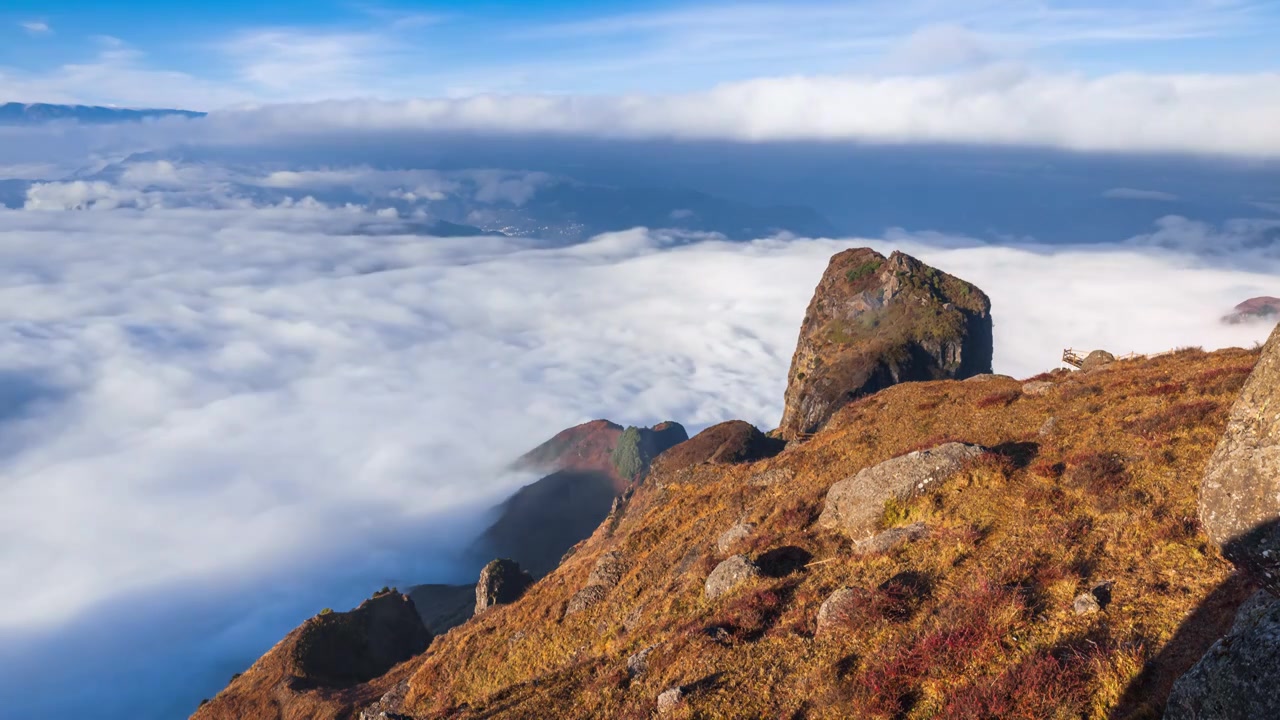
point(1236, 679)
point(1259, 309)
point(502, 582)
point(874, 322)
point(1240, 495)
point(324, 667)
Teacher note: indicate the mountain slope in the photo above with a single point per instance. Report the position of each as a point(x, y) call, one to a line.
point(974, 620)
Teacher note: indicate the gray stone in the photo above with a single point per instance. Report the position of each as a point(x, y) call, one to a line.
point(985, 377)
point(1048, 427)
point(730, 574)
point(501, 582)
point(1237, 678)
point(1091, 602)
point(855, 505)
point(1085, 604)
point(586, 598)
point(1097, 359)
point(1037, 387)
point(891, 538)
point(837, 609)
point(608, 570)
point(670, 700)
point(638, 664)
point(1240, 494)
point(733, 536)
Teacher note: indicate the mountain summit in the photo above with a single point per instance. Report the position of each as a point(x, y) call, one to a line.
point(876, 322)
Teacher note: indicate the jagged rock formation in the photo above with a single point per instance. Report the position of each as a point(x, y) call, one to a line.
point(502, 582)
point(1240, 495)
point(875, 322)
point(1236, 679)
point(334, 651)
point(1259, 309)
point(855, 505)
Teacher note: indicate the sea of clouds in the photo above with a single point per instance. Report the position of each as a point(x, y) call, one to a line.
point(228, 404)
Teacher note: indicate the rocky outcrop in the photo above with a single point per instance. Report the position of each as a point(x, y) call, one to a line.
point(1097, 359)
point(330, 652)
point(855, 505)
point(729, 442)
point(1240, 494)
point(891, 538)
point(1259, 309)
point(589, 466)
point(1236, 679)
point(874, 322)
point(729, 575)
point(605, 575)
point(502, 582)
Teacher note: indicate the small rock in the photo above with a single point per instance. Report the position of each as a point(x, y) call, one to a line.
point(669, 700)
point(984, 377)
point(585, 598)
point(1091, 602)
point(733, 536)
point(1048, 427)
point(638, 664)
point(837, 609)
point(1097, 359)
point(730, 574)
point(1085, 604)
point(891, 538)
point(1037, 387)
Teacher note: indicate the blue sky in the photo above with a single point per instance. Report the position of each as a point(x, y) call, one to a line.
point(214, 55)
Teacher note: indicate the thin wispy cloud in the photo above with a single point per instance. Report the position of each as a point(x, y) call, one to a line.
point(36, 27)
point(1137, 194)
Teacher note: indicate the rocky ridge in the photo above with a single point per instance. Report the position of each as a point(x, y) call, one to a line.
point(954, 593)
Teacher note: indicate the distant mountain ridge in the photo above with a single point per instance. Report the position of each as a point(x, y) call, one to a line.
point(15, 113)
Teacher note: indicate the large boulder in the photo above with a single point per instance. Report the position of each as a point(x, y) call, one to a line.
point(329, 666)
point(856, 505)
point(874, 322)
point(502, 582)
point(1236, 679)
point(1240, 494)
point(1096, 360)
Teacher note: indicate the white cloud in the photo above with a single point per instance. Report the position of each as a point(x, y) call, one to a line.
point(36, 27)
point(1000, 105)
point(1136, 194)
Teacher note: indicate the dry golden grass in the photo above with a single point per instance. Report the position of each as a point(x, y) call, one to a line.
point(974, 621)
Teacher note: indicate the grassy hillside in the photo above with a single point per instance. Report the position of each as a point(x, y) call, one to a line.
point(973, 621)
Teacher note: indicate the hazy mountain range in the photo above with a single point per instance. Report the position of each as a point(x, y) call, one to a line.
point(15, 113)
